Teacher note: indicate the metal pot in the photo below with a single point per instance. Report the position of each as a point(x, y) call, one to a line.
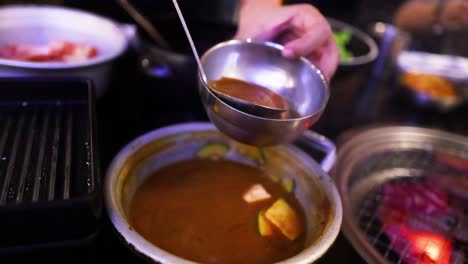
point(159, 148)
point(40, 24)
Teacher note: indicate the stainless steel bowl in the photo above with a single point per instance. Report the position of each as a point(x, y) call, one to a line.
point(298, 81)
point(314, 188)
point(36, 24)
point(453, 69)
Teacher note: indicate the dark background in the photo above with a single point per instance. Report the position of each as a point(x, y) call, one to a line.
point(136, 103)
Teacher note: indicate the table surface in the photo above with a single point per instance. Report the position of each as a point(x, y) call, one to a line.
point(135, 104)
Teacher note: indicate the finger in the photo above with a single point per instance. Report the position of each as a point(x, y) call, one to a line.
point(306, 44)
point(316, 55)
point(465, 13)
point(464, 19)
point(285, 37)
point(266, 32)
point(274, 31)
point(465, 5)
point(328, 62)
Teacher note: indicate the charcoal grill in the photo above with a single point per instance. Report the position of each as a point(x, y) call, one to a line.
point(391, 154)
point(49, 184)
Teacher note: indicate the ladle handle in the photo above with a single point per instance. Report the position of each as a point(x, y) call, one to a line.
point(192, 45)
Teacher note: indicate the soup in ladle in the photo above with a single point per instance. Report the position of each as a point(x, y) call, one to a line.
point(249, 92)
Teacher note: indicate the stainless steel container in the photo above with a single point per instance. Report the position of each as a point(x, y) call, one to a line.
point(32, 24)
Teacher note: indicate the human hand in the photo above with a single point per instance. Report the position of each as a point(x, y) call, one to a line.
point(301, 28)
point(454, 14)
point(418, 15)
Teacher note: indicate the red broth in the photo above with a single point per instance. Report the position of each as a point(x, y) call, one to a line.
point(194, 209)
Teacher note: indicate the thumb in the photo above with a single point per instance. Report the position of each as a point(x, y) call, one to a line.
point(306, 45)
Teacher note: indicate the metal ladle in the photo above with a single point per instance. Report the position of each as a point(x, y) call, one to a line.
point(242, 105)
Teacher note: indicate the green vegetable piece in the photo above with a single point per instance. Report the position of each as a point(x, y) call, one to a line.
point(213, 150)
point(282, 216)
point(257, 155)
point(265, 228)
point(342, 39)
point(289, 184)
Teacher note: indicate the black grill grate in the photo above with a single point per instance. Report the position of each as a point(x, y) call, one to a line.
point(49, 178)
point(372, 228)
point(38, 143)
point(395, 167)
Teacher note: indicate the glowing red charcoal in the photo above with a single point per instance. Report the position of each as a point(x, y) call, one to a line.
point(419, 247)
point(434, 248)
point(414, 198)
point(409, 213)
